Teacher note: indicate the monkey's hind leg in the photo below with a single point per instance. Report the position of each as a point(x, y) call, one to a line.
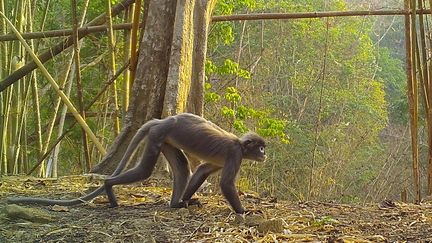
point(181, 173)
point(141, 171)
point(200, 175)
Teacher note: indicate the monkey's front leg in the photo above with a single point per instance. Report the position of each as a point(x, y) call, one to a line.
point(227, 184)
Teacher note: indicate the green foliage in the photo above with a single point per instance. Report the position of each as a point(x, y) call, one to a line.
point(227, 7)
point(236, 112)
point(240, 126)
point(232, 96)
point(229, 67)
point(210, 68)
point(267, 126)
point(223, 31)
point(391, 73)
point(228, 112)
point(272, 127)
point(210, 96)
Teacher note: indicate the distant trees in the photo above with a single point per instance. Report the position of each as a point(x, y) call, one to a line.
point(327, 80)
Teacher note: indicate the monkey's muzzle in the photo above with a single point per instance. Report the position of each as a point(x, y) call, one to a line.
point(262, 158)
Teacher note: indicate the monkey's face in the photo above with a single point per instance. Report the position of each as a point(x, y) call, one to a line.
point(255, 152)
point(254, 147)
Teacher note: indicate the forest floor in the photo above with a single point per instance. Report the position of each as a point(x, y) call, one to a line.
point(143, 216)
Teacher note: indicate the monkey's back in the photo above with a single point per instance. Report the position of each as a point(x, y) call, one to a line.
point(201, 137)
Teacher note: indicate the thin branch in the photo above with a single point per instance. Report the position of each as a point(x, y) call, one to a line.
point(65, 32)
point(308, 15)
point(320, 107)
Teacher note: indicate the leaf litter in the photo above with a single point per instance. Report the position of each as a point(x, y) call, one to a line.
point(144, 216)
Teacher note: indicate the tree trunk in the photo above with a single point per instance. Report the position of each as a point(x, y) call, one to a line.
point(202, 18)
point(163, 84)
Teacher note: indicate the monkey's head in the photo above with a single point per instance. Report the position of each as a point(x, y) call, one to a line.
point(253, 147)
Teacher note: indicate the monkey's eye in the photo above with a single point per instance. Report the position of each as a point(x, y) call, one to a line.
point(262, 149)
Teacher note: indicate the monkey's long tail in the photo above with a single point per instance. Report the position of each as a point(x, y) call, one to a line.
point(66, 202)
point(136, 140)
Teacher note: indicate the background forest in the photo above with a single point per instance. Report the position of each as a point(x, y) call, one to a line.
point(329, 93)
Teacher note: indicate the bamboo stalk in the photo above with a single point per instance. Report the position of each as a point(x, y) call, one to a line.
point(44, 17)
point(425, 84)
point(25, 165)
point(6, 130)
point(429, 119)
point(416, 166)
point(52, 167)
point(112, 67)
point(21, 105)
point(422, 60)
point(56, 88)
point(127, 53)
point(239, 53)
point(3, 48)
point(3, 104)
point(55, 111)
point(2, 131)
point(13, 131)
point(412, 92)
point(21, 116)
point(35, 90)
point(104, 107)
point(78, 83)
point(134, 40)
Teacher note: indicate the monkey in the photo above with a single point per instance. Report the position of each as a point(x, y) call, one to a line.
point(173, 137)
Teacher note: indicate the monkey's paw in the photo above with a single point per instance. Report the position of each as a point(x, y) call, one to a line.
point(113, 204)
point(253, 212)
point(186, 204)
point(194, 201)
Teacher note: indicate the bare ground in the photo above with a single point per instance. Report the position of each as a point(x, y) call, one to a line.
point(143, 216)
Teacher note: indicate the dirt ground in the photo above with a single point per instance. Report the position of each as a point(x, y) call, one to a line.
point(143, 216)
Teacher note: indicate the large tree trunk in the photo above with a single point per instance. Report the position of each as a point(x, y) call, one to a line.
point(163, 78)
point(202, 18)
